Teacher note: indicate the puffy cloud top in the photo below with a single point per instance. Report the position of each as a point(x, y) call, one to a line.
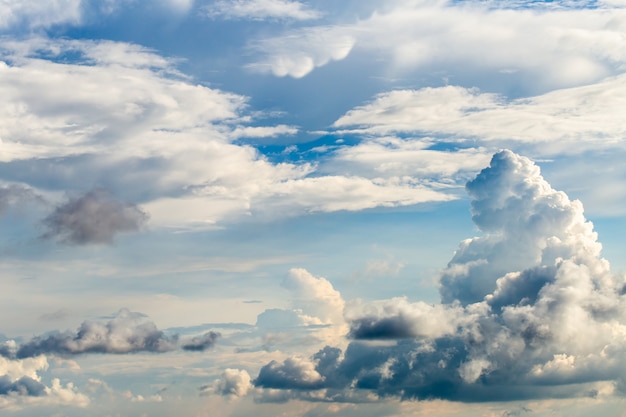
point(530, 310)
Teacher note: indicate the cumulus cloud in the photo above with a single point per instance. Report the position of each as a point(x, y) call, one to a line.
point(261, 10)
point(21, 386)
point(233, 382)
point(315, 296)
point(93, 217)
point(127, 332)
point(529, 309)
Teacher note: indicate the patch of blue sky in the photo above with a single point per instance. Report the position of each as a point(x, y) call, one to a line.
point(314, 150)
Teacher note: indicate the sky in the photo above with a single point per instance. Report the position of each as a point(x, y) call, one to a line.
point(312, 208)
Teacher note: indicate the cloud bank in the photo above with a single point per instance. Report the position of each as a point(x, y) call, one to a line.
point(529, 310)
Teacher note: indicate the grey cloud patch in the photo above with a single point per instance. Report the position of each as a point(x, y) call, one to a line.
point(93, 217)
point(529, 310)
point(201, 343)
point(127, 332)
point(15, 194)
point(23, 386)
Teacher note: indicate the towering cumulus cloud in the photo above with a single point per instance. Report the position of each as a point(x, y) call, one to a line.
point(529, 310)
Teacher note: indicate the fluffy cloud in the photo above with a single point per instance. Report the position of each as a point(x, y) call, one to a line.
point(529, 310)
point(127, 332)
point(261, 10)
point(135, 126)
point(315, 296)
point(299, 53)
point(94, 217)
point(21, 386)
point(233, 382)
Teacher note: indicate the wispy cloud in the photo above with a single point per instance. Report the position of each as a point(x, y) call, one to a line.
point(261, 10)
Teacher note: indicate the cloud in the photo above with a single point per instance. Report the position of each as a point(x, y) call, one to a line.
point(233, 382)
point(300, 52)
point(201, 343)
point(21, 386)
point(529, 310)
point(93, 217)
point(293, 373)
point(315, 296)
point(585, 116)
point(137, 127)
point(261, 10)
point(538, 48)
point(35, 15)
point(13, 195)
point(127, 332)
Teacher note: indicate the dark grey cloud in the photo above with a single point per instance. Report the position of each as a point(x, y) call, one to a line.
point(23, 386)
point(529, 310)
point(201, 343)
point(374, 327)
point(93, 217)
point(127, 332)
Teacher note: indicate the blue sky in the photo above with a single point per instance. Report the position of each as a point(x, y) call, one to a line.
point(311, 208)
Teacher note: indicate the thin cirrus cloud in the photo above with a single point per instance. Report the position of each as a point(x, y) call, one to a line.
point(261, 10)
point(39, 14)
point(529, 310)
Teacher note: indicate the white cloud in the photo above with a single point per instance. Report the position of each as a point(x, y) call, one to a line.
point(261, 10)
point(297, 54)
point(233, 382)
point(37, 14)
point(551, 47)
point(529, 310)
point(315, 296)
point(586, 116)
point(30, 391)
point(135, 126)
